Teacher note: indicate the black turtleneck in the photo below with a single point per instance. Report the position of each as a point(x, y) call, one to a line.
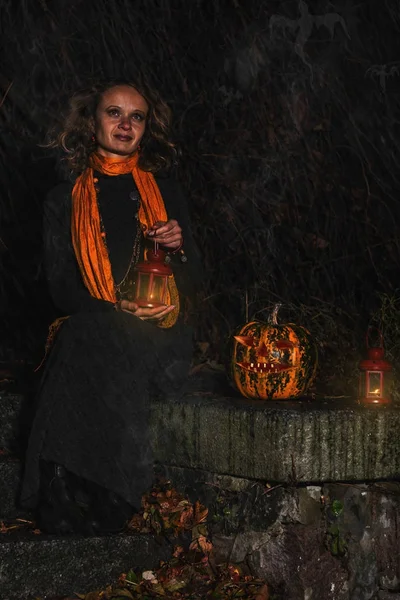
point(119, 201)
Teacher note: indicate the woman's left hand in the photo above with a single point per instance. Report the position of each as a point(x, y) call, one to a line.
point(168, 234)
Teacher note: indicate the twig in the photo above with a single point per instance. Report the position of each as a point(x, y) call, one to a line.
point(5, 95)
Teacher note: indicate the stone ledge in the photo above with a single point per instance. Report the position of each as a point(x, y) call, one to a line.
point(302, 441)
point(284, 442)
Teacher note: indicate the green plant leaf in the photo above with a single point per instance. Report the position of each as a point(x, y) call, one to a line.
point(337, 507)
point(132, 577)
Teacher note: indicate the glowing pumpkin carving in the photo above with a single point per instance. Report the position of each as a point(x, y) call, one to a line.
point(272, 361)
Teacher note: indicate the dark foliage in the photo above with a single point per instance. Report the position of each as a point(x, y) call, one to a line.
point(289, 131)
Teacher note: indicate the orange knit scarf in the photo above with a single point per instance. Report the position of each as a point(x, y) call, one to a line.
point(89, 245)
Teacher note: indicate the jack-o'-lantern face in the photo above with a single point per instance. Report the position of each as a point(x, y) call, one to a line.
point(263, 355)
point(273, 361)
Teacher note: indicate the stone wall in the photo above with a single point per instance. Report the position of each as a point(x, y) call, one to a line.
point(300, 491)
point(334, 541)
point(304, 494)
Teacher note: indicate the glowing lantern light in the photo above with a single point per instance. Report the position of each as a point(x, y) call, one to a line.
point(375, 375)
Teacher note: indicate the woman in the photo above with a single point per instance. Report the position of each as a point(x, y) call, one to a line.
point(89, 459)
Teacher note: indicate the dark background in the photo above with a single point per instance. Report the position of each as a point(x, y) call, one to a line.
point(289, 131)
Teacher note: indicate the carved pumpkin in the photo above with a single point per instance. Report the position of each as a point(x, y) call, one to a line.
point(272, 361)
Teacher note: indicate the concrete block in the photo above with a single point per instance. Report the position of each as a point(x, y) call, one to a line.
point(288, 442)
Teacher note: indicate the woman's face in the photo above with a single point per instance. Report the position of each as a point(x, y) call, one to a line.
point(120, 121)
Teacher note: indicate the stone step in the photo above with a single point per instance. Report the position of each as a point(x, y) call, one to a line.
point(10, 477)
point(15, 408)
point(47, 566)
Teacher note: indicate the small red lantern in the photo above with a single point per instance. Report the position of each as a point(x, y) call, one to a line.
point(151, 279)
point(375, 375)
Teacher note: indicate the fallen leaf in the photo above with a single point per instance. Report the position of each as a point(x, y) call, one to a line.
point(200, 513)
point(148, 576)
point(178, 551)
point(201, 543)
point(92, 596)
point(263, 594)
point(121, 594)
point(173, 585)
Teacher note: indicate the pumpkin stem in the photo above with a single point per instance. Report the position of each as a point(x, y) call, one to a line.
point(273, 318)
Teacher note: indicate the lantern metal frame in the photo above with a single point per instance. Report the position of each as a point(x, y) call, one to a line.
point(151, 279)
point(375, 374)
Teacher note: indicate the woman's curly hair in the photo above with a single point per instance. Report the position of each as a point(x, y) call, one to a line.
point(75, 138)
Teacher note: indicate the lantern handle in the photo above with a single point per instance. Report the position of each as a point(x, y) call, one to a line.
point(380, 337)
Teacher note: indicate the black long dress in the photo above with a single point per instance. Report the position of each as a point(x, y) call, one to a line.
point(105, 366)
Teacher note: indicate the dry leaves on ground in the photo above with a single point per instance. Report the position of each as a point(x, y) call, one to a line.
point(191, 574)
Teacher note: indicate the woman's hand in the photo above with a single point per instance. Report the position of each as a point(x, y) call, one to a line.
point(168, 234)
point(145, 314)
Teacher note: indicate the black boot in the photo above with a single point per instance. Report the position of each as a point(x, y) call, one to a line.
point(58, 512)
point(110, 512)
point(70, 504)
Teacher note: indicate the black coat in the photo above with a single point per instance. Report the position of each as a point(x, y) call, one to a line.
point(105, 366)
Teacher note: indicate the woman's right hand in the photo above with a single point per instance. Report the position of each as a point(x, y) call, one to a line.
point(145, 314)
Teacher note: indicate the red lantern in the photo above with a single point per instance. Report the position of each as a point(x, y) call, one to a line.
point(375, 375)
point(151, 279)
